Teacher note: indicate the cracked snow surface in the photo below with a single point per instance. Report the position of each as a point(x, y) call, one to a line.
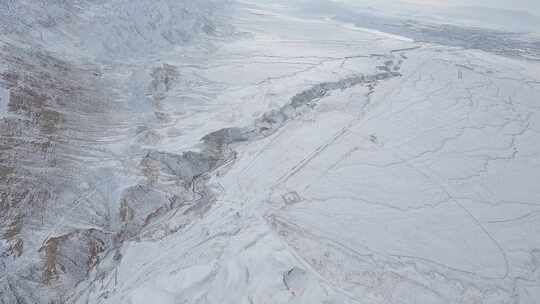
point(218, 152)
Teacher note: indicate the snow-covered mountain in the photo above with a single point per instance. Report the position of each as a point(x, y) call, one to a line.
point(264, 152)
point(82, 103)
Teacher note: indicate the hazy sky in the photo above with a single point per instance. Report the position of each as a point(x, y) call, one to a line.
point(531, 6)
point(526, 5)
point(522, 15)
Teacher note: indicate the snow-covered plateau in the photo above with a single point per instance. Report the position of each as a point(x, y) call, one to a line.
point(255, 151)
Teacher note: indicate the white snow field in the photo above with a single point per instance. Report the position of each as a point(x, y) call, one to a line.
point(244, 152)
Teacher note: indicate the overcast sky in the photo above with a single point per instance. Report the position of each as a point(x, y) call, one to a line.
point(531, 6)
point(516, 15)
point(525, 5)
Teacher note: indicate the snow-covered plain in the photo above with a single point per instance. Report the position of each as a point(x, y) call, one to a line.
point(262, 157)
